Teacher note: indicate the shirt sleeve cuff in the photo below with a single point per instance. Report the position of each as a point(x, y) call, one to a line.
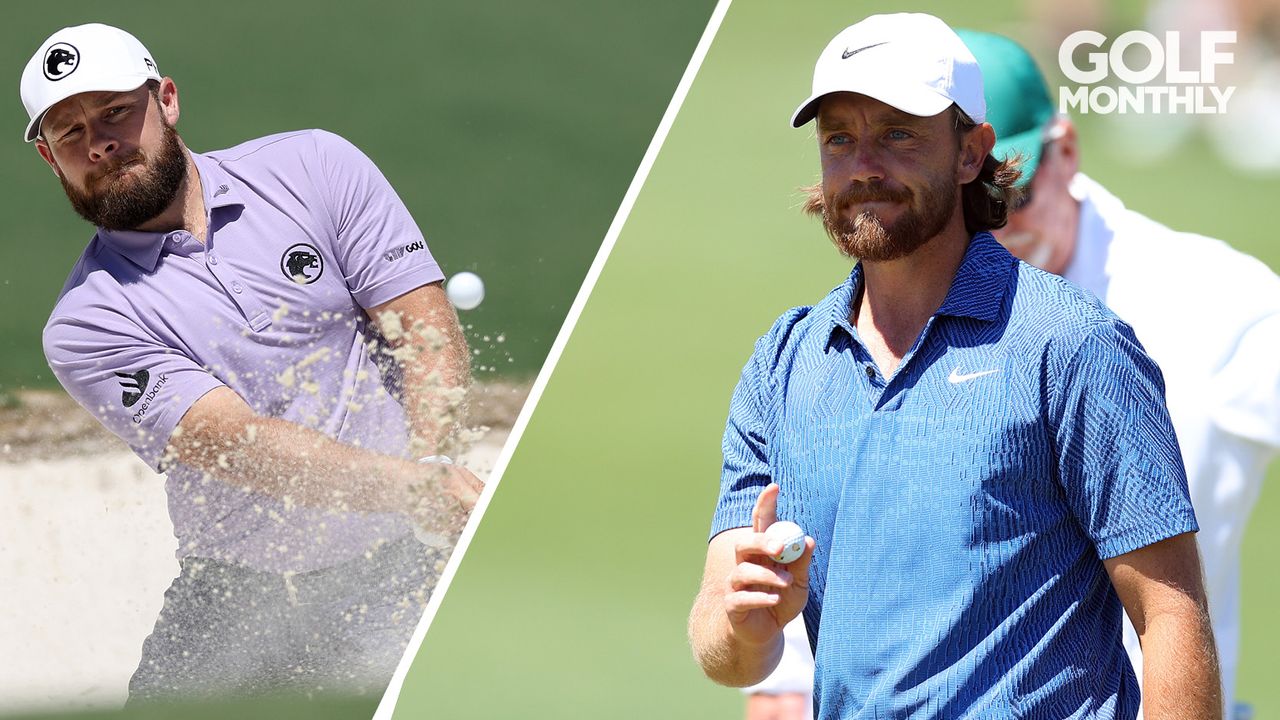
point(1140, 536)
point(393, 287)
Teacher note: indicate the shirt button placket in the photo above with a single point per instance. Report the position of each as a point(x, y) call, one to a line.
point(249, 304)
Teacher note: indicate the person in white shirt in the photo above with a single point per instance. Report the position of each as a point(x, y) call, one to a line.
point(1208, 315)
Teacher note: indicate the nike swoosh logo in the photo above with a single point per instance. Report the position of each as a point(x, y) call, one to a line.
point(956, 377)
point(850, 53)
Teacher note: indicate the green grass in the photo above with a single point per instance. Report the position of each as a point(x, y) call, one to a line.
point(573, 595)
point(511, 130)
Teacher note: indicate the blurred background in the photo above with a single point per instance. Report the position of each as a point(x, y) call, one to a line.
point(511, 131)
point(574, 594)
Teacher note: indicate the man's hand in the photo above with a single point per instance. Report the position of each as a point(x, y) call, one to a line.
point(746, 599)
point(462, 485)
point(762, 595)
point(442, 498)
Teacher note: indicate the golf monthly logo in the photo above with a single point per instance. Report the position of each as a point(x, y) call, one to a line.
point(1187, 91)
point(134, 385)
point(302, 264)
point(397, 253)
point(60, 60)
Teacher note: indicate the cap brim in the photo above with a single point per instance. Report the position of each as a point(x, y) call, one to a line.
point(1028, 145)
point(921, 102)
point(33, 127)
point(125, 84)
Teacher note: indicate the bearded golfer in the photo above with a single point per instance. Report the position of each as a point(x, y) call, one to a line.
point(979, 450)
point(243, 320)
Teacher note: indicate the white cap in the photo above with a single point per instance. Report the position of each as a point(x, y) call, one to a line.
point(85, 58)
point(911, 61)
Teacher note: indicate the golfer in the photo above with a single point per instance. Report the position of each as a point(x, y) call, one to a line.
point(265, 325)
point(1228, 422)
point(979, 450)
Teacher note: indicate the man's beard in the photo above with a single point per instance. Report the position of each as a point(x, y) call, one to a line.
point(126, 203)
point(865, 236)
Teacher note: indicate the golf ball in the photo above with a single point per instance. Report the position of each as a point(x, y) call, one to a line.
point(465, 290)
point(791, 536)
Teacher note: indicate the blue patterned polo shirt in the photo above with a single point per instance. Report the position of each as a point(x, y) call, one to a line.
point(962, 507)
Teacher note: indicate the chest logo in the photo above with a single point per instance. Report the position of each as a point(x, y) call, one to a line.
point(956, 377)
point(302, 264)
point(60, 61)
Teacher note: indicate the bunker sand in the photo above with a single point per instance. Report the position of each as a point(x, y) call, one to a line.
point(87, 549)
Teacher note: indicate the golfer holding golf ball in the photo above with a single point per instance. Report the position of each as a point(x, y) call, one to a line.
point(979, 450)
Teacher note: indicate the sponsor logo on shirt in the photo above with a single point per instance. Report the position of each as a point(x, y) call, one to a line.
point(956, 377)
point(302, 263)
point(134, 385)
point(397, 253)
point(60, 60)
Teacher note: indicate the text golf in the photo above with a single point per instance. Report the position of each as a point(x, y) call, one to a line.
point(1185, 90)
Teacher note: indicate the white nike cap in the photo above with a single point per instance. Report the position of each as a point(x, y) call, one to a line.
point(911, 61)
point(85, 58)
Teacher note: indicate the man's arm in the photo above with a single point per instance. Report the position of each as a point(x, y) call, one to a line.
point(221, 435)
point(786, 693)
point(428, 346)
point(1162, 590)
point(746, 599)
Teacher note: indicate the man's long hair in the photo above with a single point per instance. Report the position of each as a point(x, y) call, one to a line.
point(988, 199)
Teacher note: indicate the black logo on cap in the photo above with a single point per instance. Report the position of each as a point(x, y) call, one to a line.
point(850, 53)
point(134, 384)
point(302, 264)
point(61, 60)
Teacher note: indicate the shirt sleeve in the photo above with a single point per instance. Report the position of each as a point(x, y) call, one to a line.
point(135, 387)
point(1246, 389)
point(1118, 458)
point(378, 246)
point(745, 472)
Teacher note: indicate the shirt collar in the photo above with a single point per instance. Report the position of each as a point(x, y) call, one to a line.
point(837, 305)
point(977, 291)
point(979, 286)
point(220, 189)
point(144, 248)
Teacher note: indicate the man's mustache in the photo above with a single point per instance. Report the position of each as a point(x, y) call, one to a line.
point(136, 157)
point(860, 192)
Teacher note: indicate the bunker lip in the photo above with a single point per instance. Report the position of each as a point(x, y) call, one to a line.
point(49, 425)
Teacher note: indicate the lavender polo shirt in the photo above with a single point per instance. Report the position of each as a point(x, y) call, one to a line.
point(304, 232)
